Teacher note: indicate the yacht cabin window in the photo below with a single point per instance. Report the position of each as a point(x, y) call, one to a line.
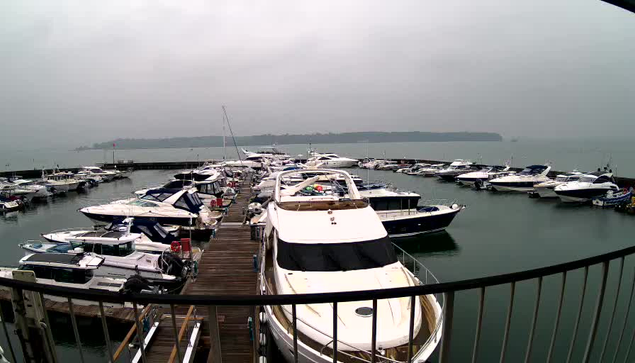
point(344, 256)
point(120, 250)
point(68, 275)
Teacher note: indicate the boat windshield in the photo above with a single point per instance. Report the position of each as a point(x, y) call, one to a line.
point(345, 256)
point(142, 203)
point(587, 179)
point(121, 250)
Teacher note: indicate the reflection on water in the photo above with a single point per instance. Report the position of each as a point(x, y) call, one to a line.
point(440, 243)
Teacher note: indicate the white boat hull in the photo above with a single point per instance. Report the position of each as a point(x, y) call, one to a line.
point(306, 354)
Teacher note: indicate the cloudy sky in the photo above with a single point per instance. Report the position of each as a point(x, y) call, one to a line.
point(77, 72)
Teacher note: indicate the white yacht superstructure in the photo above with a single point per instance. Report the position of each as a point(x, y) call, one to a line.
point(587, 187)
point(330, 160)
point(523, 181)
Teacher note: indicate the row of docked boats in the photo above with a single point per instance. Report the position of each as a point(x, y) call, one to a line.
point(598, 187)
point(16, 192)
point(137, 244)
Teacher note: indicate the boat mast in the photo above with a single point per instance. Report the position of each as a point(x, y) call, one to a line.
point(224, 138)
point(232, 133)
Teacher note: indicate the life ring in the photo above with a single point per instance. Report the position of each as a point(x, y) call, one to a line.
point(175, 247)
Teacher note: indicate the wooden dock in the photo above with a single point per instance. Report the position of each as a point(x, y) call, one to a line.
point(226, 268)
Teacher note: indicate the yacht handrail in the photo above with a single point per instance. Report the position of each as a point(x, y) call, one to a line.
point(71, 229)
point(440, 297)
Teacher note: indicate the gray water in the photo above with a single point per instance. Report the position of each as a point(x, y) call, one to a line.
point(563, 154)
point(496, 233)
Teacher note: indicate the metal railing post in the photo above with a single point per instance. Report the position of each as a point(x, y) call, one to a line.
point(508, 321)
point(335, 332)
point(617, 297)
point(142, 345)
point(214, 334)
point(577, 320)
point(479, 323)
point(533, 322)
point(176, 334)
point(295, 333)
point(6, 334)
point(628, 312)
point(411, 327)
point(75, 329)
point(596, 314)
point(558, 313)
point(446, 340)
point(373, 342)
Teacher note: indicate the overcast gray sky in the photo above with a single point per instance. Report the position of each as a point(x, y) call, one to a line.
point(77, 72)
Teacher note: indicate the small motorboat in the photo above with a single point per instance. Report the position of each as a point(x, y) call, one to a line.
point(456, 168)
point(612, 199)
point(76, 271)
point(480, 177)
point(10, 204)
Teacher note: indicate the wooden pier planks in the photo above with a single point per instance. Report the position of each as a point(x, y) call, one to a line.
point(226, 268)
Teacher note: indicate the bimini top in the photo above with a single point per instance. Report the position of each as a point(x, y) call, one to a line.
point(64, 260)
point(185, 199)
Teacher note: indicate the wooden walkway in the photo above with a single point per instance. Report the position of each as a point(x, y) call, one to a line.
point(226, 268)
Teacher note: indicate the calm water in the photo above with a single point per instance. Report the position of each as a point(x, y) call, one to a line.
point(563, 154)
point(497, 233)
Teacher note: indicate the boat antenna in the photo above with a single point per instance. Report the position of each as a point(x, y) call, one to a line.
point(232, 133)
point(224, 140)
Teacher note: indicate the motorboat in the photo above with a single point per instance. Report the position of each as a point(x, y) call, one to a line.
point(61, 181)
point(270, 152)
point(30, 189)
point(330, 160)
point(148, 236)
point(75, 271)
point(456, 168)
point(10, 203)
point(324, 240)
point(523, 181)
point(415, 169)
point(402, 216)
point(181, 207)
point(121, 259)
point(587, 187)
point(209, 189)
point(483, 175)
point(255, 162)
point(612, 199)
point(431, 170)
point(546, 189)
point(205, 172)
point(89, 171)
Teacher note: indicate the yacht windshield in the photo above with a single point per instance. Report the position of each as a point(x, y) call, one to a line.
point(336, 256)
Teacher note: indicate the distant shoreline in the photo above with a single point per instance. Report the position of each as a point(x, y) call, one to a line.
point(339, 138)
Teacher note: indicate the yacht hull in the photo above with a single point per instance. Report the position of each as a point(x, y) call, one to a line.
point(407, 225)
point(308, 354)
point(520, 187)
point(106, 218)
point(579, 195)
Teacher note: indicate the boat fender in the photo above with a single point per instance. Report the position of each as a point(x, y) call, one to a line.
point(263, 317)
point(262, 359)
point(263, 339)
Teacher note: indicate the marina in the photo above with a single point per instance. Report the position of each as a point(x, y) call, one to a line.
point(227, 264)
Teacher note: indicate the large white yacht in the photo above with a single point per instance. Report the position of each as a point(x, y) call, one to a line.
point(181, 207)
point(320, 239)
point(523, 181)
point(456, 168)
point(330, 160)
point(587, 187)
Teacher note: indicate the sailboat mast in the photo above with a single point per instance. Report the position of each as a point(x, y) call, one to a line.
point(224, 139)
point(232, 133)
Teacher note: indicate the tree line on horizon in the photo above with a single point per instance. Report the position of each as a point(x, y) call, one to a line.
point(285, 139)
